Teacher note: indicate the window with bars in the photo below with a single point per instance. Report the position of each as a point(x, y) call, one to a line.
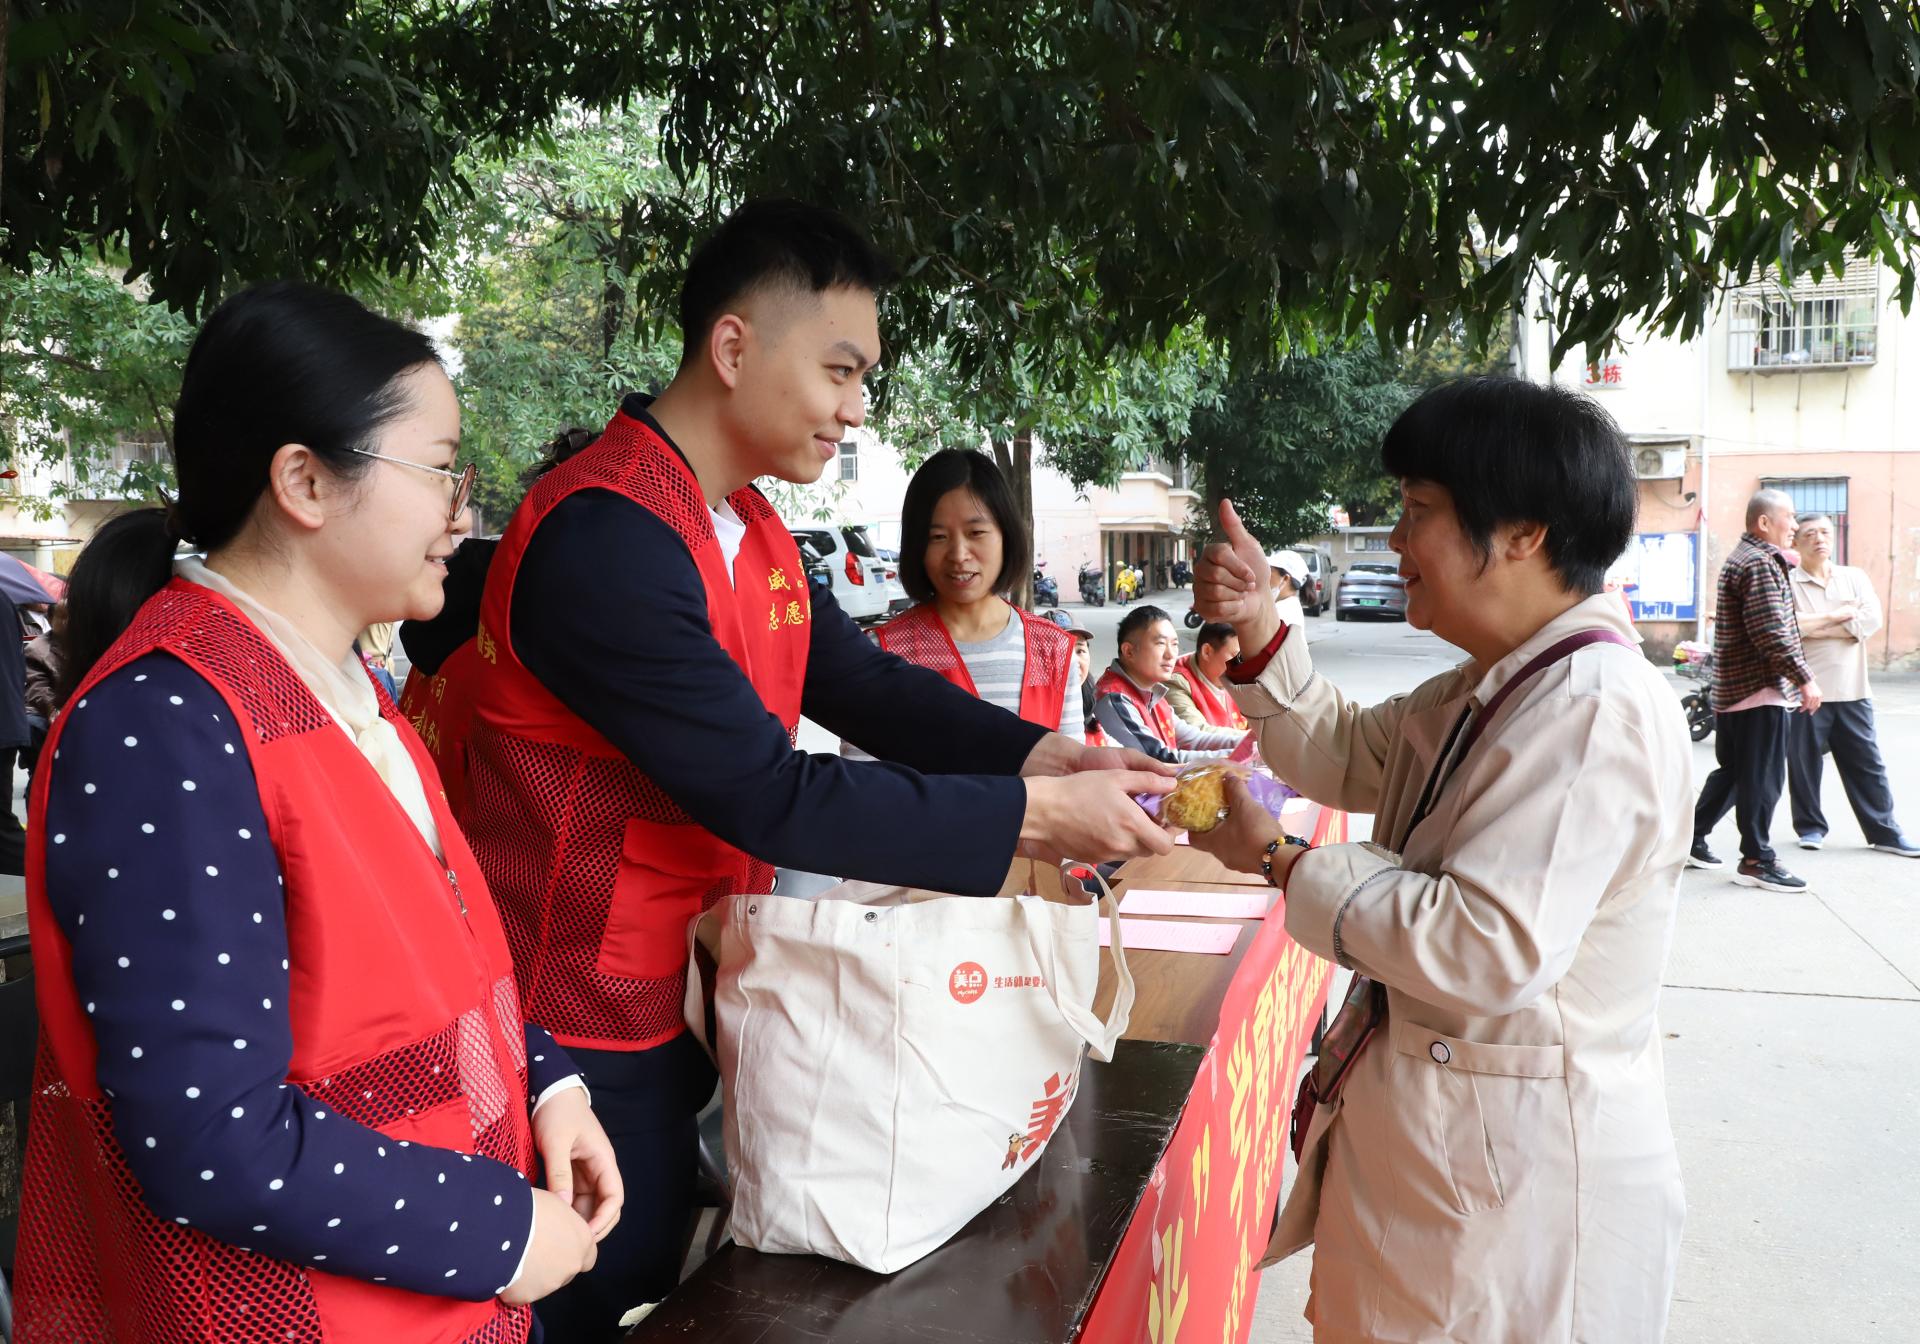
point(850, 460)
point(1819, 494)
point(1831, 323)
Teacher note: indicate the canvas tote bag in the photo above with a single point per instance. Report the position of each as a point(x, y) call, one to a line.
point(892, 1061)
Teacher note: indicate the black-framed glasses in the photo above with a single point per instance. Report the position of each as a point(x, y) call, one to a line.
point(462, 479)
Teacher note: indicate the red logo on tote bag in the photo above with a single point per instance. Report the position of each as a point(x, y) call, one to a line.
point(968, 981)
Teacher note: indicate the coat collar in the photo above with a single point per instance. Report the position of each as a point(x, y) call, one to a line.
point(1154, 694)
point(1602, 611)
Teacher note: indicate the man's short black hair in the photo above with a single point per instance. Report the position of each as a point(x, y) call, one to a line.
point(1139, 619)
point(960, 469)
point(1510, 451)
point(1213, 634)
point(807, 248)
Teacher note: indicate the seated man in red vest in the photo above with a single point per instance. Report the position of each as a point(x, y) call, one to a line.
point(1132, 696)
point(1197, 691)
point(647, 645)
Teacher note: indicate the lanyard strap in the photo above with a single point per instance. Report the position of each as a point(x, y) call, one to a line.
point(1469, 726)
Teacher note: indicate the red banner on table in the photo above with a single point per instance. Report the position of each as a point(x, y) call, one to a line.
point(1184, 1270)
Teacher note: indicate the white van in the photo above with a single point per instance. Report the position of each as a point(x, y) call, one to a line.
point(866, 587)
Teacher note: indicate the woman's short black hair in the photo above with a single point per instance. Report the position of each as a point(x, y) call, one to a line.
point(807, 248)
point(960, 469)
point(1510, 451)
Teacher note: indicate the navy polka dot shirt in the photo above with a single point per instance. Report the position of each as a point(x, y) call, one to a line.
point(162, 877)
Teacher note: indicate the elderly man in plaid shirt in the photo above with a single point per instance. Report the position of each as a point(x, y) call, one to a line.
point(1760, 675)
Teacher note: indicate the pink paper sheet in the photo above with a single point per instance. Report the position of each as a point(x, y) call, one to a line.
point(1166, 935)
point(1221, 903)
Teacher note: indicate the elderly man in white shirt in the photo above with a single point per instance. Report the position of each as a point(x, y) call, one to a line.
point(1838, 613)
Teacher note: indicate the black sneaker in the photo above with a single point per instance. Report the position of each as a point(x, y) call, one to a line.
point(1767, 876)
point(1702, 857)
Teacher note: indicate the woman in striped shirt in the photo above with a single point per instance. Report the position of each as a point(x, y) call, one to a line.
point(963, 547)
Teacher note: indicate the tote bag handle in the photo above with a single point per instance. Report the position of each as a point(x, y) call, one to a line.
point(1100, 1036)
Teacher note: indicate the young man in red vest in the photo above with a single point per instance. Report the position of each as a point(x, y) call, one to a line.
point(1132, 696)
point(646, 647)
point(1197, 693)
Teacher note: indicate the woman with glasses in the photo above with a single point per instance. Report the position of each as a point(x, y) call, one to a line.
point(284, 1082)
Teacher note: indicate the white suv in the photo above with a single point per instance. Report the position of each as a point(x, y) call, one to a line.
point(866, 587)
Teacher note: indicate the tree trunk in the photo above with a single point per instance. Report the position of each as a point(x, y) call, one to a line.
point(1214, 477)
point(1015, 459)
point(6, 19)
point(619, 256)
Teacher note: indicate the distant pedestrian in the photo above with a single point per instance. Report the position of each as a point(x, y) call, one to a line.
point(1760, 676)
point(1287, 574)
point(45, 663)
point(45, 678)
point(1838, 612)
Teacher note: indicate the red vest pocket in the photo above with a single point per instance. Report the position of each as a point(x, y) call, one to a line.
point(668, 875)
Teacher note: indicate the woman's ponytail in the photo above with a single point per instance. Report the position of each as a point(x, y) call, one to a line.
point(127, 561)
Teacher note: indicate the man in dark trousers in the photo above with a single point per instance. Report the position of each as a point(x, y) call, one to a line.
point(647, 645)
point(1839, 612)
point(1760, 676)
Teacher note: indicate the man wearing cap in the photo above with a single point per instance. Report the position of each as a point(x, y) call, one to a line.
point(1287, 572)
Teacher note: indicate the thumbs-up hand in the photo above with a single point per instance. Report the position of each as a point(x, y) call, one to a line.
point(1231, 584)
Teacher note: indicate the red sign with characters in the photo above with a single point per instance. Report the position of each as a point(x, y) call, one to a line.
point(1184, 1270)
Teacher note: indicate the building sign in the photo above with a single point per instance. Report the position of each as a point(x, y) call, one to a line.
point(1609, 371)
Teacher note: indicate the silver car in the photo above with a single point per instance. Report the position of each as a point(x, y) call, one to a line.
point(1370, 589)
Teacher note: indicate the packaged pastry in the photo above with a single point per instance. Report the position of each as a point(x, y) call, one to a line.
point(1199, 802)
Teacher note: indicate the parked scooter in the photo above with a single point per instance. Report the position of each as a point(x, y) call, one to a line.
point(1046, 591)
point(1694, 661)
point(1092, 591)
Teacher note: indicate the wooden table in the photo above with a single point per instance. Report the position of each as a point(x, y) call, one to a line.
point(1185, 1268)
point(1026, 1271)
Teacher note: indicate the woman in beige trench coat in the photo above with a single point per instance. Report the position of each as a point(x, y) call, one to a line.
point(1499, 1168)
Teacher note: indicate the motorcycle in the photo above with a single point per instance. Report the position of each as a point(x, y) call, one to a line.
point(1092, 591)
point(1694, 661)
point(1046, 591)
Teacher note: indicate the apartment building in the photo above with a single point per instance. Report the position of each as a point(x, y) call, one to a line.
point(1801, 388)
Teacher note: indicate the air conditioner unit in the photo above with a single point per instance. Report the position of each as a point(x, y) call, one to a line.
point(1660, 462)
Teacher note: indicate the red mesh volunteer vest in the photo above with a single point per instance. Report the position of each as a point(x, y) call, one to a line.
point(1158, 718)
point(1216, 708)
point(597, 870)
point(920, 636)
point(440, 708)
point(404, 1019)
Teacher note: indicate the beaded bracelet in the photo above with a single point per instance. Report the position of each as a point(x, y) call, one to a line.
point(1273, 847)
